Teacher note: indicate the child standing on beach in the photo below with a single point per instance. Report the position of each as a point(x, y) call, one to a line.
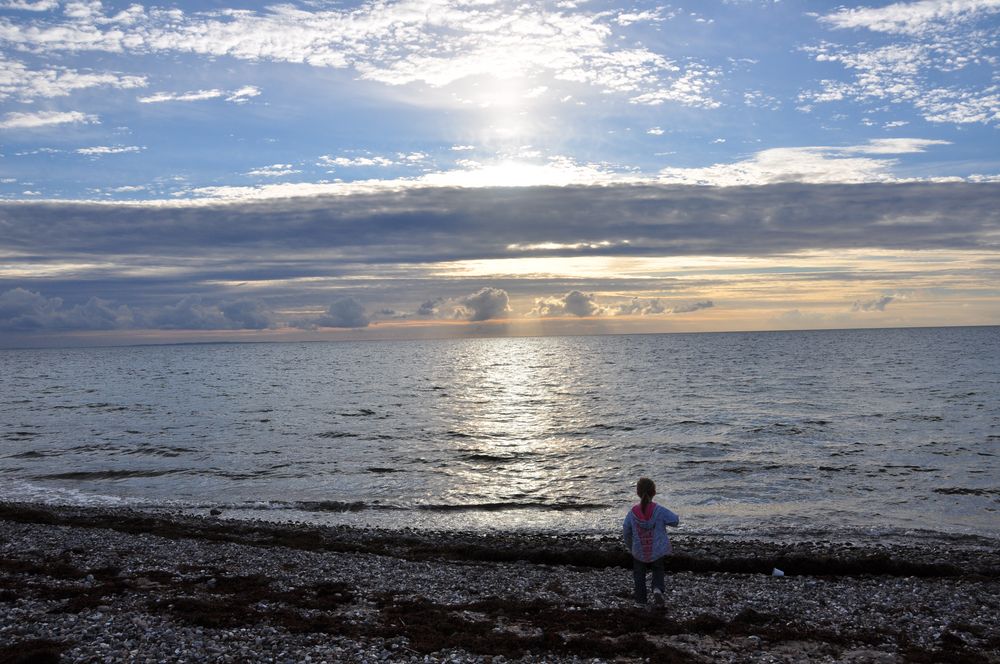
point(646, 537)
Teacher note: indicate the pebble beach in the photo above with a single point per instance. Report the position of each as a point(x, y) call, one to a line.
point(108, 585)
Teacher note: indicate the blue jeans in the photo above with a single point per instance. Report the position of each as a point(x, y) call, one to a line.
point(639, 570)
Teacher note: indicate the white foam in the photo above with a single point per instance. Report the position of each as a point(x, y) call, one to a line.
point(26, 492)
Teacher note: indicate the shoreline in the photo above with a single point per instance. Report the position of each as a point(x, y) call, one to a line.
point(86, 583)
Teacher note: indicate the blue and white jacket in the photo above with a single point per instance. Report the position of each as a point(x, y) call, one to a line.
point(645, 531)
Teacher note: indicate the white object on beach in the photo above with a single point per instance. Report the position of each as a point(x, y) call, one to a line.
point(777, 572)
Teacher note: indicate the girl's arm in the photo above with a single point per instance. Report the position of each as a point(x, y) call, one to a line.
point(670, 519)
point(627, 531)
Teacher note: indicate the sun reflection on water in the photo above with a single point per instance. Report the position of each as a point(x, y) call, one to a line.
point(508, 419)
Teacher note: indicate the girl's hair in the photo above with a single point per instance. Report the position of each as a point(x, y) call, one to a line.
point(645, 489)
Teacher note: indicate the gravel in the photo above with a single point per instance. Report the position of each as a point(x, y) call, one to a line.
point(106, 585)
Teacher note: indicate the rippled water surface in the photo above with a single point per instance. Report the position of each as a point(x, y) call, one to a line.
point(746, 432)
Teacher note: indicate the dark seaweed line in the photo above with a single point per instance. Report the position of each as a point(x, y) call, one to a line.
point(411, 546)
point(428, 627)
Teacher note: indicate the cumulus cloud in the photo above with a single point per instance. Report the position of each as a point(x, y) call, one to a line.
point(40, 119)
point(486, 304)
point(23, 310)
point(573, 303)
point(345, 312)
point(28, 6)
point(194, 313)
point(430, 308)
point(640, 307)
point(878, 304)
point(247, 314)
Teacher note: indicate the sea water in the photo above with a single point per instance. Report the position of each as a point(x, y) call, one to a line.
point(818, 434)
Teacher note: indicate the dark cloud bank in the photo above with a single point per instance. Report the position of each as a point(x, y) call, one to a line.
point(435, 224)
point(369, 235)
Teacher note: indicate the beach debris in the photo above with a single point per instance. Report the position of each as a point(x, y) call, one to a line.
point(777, 572)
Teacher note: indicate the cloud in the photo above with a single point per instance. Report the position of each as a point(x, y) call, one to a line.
point(45, 119)
point(813, 164)
point(430, 308)
point(26, 5)
point(346, 312)
point(655, 306)
point(573, 303)
point(640, 307)
point(352, 162)
point(693, 306)
point(101, 150)
point(649, 15)
point(929, 64)
point(196, 95)
point(424, 225)
point(912, 18)
point(194, 313)
point(247, 314)
point(238, 96)
point(873, 305)
point(20, 82)
point(273, 171)
point(23, 310)
point(244, 94)
point(422, 41)
point(486, 304)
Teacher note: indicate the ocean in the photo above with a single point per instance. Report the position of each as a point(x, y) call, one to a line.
point(819, 434)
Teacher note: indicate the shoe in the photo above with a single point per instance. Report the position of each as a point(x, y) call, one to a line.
point(658, 598)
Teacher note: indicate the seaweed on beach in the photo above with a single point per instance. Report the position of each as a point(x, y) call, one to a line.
point(699, 557)
point(431, 627)
point(33, 651)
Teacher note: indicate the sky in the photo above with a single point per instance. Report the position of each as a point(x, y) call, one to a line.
point(331, 170)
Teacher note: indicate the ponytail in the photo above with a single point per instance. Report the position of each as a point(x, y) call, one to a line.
point(645, 489)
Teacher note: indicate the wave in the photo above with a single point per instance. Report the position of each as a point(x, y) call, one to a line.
point(32, 454)
point(496, 458)
point(505, 506)
point(20, 435)
point(362, 506)
point(107, 474)
point(159, 450)
point(962, 491)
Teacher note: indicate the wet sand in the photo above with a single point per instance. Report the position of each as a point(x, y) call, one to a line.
point(97, 584)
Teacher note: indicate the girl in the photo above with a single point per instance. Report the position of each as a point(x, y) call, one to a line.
point(646, 537)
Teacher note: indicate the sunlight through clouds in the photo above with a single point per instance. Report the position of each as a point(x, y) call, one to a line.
point(391, 167)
